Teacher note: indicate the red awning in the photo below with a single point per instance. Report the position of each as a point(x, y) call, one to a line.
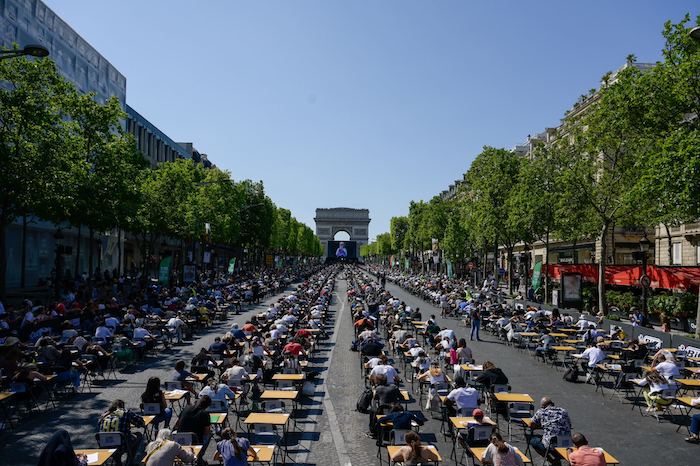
point(670, 278)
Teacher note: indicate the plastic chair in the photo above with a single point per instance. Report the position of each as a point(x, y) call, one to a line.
point(516, 413)
point(184, 438)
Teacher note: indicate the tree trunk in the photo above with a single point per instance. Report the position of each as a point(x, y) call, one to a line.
point(3, 261)
point(575, 255)
point(613, 246)
point(76, 273)
point(670, 244)
point(23, 265)
point(602, 305)
point(546, 267)
point(510, 270)
point(119, 251)
point(495, 260)
point(90, 253)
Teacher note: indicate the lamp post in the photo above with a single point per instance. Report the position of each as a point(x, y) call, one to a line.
point(695, 34)
point(644, 278)
point(31, 50)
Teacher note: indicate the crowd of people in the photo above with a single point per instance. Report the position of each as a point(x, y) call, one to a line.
point(400, 347)
point(48, 352)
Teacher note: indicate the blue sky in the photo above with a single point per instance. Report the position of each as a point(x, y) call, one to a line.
point(362, 103)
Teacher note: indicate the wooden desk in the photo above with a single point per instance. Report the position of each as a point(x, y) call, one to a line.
point(609, 459)
point(478, 454)
point(558, 335)
point(670, 350)
point(687, 401)
point(267, 418)
point(505, 397)
point(291, 377)
point(563, 348)
point(393, 449)
point(265, 453)
point(5, 395)
point(463, 422)
point(689, 384)
point(406, 396)
point(103, 455)
point(197, 378)
point(279, 395)
point(175, 395)
point(529, 334)
point(472, 368)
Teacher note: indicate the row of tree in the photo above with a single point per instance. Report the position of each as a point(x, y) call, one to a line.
point(66, 158)
point(627, 155)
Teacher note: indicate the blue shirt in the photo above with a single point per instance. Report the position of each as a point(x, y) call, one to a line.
point(228, 453)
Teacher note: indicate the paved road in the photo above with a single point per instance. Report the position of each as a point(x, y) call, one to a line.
point(633, 439)
point(332, 432)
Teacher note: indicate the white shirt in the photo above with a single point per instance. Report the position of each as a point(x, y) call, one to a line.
point(387, 370)
point(449, 333)
point(103, 332)
point(464, 397)
point(373, 362)
point(594, 355)
point(415, 351)
point(668, 370)
point(234, 374)
point(175, 322)
point(112, 322)
point(140, 333)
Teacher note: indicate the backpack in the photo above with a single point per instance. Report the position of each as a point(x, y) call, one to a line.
point(365, 401)
point(571, 375)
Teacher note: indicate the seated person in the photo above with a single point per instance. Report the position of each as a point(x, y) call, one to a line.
point(195, 418)
point(592, 356)
point(654, 385)
point(154, 394)
point(181, 375)
point(583, 455)
point(694, 424)
point(118, 419)
point(385, 369)
point(500, 453)
point(462, 398)
point(491, 375)
point(554, 422)
point(413, 452)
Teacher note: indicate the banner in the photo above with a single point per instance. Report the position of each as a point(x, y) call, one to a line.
point(189, 274)
point(537, 277)
point(232, 265)
point(407, 263)
point(164, 270)
point(450, 272)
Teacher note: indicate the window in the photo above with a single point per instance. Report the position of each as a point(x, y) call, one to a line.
point(677, 254)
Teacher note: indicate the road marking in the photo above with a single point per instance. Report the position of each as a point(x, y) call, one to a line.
point(337, 435)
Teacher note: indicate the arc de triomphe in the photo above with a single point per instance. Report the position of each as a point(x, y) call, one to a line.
point(353, 221)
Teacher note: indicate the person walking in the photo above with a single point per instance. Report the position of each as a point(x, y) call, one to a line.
point(476, 323)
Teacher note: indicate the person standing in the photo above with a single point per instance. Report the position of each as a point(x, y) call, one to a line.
point(476, 323)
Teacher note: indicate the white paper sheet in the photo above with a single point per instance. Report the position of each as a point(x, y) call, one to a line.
point(92, 458)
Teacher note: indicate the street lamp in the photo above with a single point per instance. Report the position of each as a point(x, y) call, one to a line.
point(695, 33)
point(644, 280)
point(58, 262)
point(32, 50)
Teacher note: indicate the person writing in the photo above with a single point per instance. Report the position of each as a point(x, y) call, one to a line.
point(500, 453)
point(413, 452)
point(235, 450)
point(554, 422)
point(163, 451)
point(583, 455)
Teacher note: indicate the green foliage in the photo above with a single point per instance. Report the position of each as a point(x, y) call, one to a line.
point(622, 300)
point(674, 304)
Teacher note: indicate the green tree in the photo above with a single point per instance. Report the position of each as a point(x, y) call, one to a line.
point(38, 159)
point(398, 229)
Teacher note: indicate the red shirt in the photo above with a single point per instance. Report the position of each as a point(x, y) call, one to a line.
point(293, 348)
point(303, 333)
point(586, 456)
point(250, 328)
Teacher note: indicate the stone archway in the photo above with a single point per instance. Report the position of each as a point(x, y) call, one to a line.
point(353, 221)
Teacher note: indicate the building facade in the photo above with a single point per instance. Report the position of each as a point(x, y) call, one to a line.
point(31, 243)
